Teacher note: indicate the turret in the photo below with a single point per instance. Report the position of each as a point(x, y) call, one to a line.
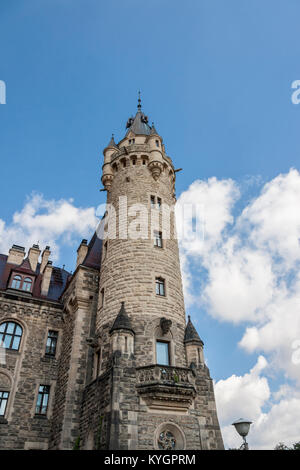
point(107, 172)
point(193, 345)
point(122, 333)
point(156, 159)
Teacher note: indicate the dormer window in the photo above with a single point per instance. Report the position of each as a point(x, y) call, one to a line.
point(27, 284)
point(16, 282)
point(21, 283)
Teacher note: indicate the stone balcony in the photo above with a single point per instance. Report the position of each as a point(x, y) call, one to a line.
point(166, 387)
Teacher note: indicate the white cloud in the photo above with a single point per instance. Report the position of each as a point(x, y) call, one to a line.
point(246, 396)
point(249, 274)
point(252, 263)
point(49, 222)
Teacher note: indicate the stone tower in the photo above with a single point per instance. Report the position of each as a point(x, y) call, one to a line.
point(151, 387)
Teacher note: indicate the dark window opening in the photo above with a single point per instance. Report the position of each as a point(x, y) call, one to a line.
point(159, 286)
point(42, 400)
point(158, 239)
point(51, 343)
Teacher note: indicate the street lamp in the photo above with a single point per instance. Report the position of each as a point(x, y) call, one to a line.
point(242, 426)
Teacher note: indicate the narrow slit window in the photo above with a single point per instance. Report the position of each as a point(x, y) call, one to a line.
point(3, 402)
point(51, 344)
point(158, 239)
point(160, 286)
point(42, 400)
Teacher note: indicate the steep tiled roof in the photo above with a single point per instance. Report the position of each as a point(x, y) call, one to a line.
point(93, 257)
point(122, 321)
point(139, 125)
point(191, 333)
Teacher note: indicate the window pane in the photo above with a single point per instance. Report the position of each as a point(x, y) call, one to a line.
point(162, 353)
point(11, 335)
point(18, 330)
point(16, 343)
point(2, 407)
point(7, 341)
point(10, 327)
point(3, 402)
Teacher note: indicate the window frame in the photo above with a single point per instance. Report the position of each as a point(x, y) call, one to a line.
point(158, 239)
point(5, 400)
point(53, 339)
point(39, 406)
point(160, 282)
point(23, 279)
point(13, 335)
point(167, 343)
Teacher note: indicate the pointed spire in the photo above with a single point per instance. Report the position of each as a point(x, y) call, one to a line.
point(191, 334)
point(153, 130)
point(139, 106)
point(112, 142)
point(122, 321)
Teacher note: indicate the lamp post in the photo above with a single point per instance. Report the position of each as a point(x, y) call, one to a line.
point(242, 426)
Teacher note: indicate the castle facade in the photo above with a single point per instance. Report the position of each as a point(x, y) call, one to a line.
point(104, 358)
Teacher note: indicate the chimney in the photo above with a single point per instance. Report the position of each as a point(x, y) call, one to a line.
point(45, 256)
point(46, 278)
point(81, 252)
point(16, 254)
point(33, 256)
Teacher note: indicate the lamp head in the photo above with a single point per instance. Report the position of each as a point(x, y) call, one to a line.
point(242, 426)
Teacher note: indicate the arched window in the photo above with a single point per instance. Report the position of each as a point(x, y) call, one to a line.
point(10, 335)
point(27, 284)
point(16, 282)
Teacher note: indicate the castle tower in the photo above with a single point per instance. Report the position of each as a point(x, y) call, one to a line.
point(151, 388)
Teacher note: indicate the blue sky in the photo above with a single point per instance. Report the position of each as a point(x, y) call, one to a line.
point(215, 78)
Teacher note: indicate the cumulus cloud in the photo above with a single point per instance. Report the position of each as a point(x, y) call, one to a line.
point(49, 222)
point(251, 262)
point(275, 416)
point(246, 270)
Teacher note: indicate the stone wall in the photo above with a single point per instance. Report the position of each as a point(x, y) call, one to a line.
point(27, 369)
point(75, 368)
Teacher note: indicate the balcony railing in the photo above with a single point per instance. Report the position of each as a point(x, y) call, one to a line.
point(166, 387)
point(164, 375)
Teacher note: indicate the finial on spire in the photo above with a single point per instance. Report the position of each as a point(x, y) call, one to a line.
point(139, 106)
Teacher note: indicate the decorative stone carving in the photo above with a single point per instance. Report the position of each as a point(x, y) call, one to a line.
point(107, 181)
point(156, 168)
point(165, 325)
point(166, 441)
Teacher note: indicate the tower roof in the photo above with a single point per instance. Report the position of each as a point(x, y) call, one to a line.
point(138, 124)
point(112, 143)
point(122, 321)
point(191, 333)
